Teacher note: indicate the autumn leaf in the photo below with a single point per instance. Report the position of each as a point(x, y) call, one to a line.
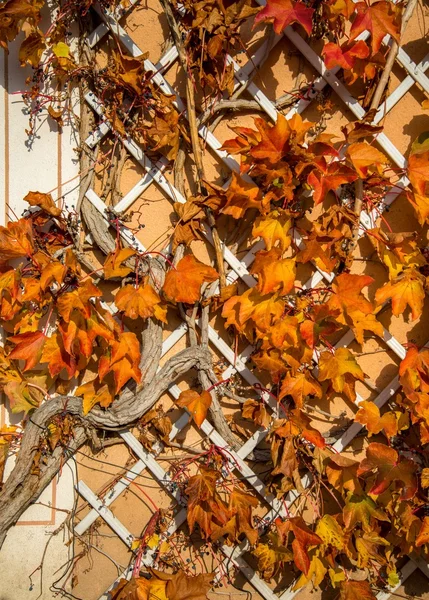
point(197, 404)
point(341, 472)
point(418, 172)
point(94, 392)
point(304, 538)
point(44, 201)
point(124, 361)
point(363, 510)
point(55, 354)
point(405, 290)
point(274, 229)
point(423, 536)
point(366, 159)
point(16, 240)
point(355, 310)
point(53, 272)
point(391, 422)
point(420, 204)
point(379, 19)
point(204, 502)
point(331, 532)
point(344, 56)
point(271, 557)
point(183, 283)
point(277, 140)
point(341, 370)
point(142, 301)
point(356, 590)
point(275, 274)
point(32, 48)
point(300, 386)
point(257, 412)
point(20, 397)
point(329, 177)
point(28, 347)
point(389, 469)
point(286, 12)
point(181, 586)
point(113, 266)
point(140, 588)
point(242, 195)
point(240, 508)
point(79, 299)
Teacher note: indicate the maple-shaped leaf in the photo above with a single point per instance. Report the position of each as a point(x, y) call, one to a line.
point(329, 178)
point(341, 370)
point(28, 347)
point(183, 284)
point(94, 392)
point(44, 201)
point(354, 309)
point(286, 12)
point(341, 472)
point(197, 404)
point(418, 172)
point(20, 397)
point(344, 56)
point(356, 590)
point(362, 509)
point(240, 508)
point(299, 424)
point(16, 240)
point(331, 532)
point(264, 311)
point(275, 274)
point(32, 48)
point(316, 574)
point(257, 412)
point(142, 301)
point(420, 204)
point(379, 19)
point(140, 588)
point(367, 546)
point(124, 361)
point(79, 299)
point(242, 195)
point(396, 250)
point(274, 229)
point(276, 140)
point(414, 369)
point(365, 158)
point(391, 422)
point(389, 468)
point(304, 538)
point(181, 586)
point(113, 266)
point(204, 503)
point(423, 536)
point(271, 557)
point(53, 272)
point(300, 386)
point(405, 290)
point(55, 354)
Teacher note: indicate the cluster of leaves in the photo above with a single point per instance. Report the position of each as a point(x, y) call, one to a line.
point(295, 193)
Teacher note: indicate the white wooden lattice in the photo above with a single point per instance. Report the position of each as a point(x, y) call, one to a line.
point(239, 269)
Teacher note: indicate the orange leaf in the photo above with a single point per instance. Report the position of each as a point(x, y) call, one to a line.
point(356, 590)
point(93, 393)
point(242, 195)
point(277, 139)
point(45, 201)
point(418, 172)
point(344, 56)
point(57, 358)
point(183, 283)
point(274, 228)
point(124, 361)
point(329, 178)
point(16, 240)
point(405, 290)
point(29, 347)
point(113, 266)
point(78, 300)
point(341, 370)
point(300, 386)
point(286, 12)
point(364, 156)
point(423, 536)
point(391, 422)
point(197, 404)
point(142, 301)
point(390, 469)
point(274, 274)
point(379, 18)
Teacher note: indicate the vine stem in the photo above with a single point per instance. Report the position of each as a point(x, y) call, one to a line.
point(195, 141)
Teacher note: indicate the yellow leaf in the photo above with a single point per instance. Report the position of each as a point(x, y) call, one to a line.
point(61, 50)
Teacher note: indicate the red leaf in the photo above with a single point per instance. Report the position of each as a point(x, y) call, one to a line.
point(286, 12)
